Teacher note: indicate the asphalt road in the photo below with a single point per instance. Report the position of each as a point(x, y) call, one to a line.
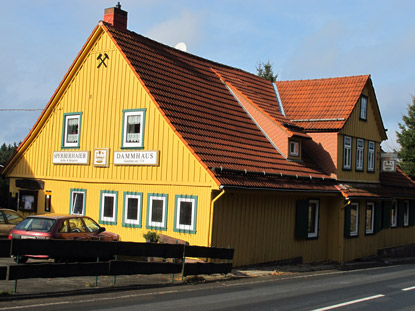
point(384, 288)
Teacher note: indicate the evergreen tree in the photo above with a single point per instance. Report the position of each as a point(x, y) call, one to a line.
point(6, 151)
point(265, 71)
point(406, 138)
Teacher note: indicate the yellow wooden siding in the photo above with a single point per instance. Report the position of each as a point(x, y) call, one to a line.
point(367, 245)
point(260, 226)
point(101, 94)
point(367, 130)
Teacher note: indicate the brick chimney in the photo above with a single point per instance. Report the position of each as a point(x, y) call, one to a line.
point(116, 17)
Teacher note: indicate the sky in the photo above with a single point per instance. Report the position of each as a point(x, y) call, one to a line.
point(301, 39)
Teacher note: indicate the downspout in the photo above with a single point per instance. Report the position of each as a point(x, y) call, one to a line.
point(341, 230)
point(212, 206)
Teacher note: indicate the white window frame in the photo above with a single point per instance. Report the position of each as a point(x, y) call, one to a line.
point(178, 227)
point(370, 206)
point(105, 219)
point(132, 222)
point(67, 117)
point(347, 152)
point(356, 206)
point(371, 156)
point(360, 151)
point(156, 224)
point(131, 113)
point(363, 107)
point(294, 148)
point(313, 233)
point(394, 214)
point(406, 213)
point(73, 201)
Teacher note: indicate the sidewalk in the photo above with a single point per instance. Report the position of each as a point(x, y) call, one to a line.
point(54, 287)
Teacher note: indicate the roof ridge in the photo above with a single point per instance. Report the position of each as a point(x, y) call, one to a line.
point(325, 79)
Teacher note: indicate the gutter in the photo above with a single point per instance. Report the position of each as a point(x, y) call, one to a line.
point(212, 207)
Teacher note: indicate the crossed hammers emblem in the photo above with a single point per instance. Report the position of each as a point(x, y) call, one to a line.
point(102, 59)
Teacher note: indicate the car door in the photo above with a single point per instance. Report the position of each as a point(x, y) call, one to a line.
point(4, 226)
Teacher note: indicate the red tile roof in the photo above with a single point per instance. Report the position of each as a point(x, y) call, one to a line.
point(329, 100)
point(205, 114)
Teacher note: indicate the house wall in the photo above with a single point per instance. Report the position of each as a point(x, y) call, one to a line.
point(367, 130)
point(323, 148)
point(260, 226)
point(365, 245)
point(101, 94)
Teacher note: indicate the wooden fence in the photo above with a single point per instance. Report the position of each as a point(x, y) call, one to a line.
point(72, 249)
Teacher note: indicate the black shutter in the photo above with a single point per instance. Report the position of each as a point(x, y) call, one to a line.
point(378, 217)
point(412, 213)
point(301, 220)
point(386, 214)
point(401, 208)
point(347, 215)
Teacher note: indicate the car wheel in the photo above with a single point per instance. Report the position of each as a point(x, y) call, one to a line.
point(22, 259)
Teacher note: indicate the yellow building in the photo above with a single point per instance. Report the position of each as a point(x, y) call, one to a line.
point(141, 136)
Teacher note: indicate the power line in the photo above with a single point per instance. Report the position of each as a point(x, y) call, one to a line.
point(21, 109)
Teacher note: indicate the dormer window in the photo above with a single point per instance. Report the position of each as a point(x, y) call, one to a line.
point(363, 107)
point(294, 148)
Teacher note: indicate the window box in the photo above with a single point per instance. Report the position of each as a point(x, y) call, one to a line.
point(71, 130)
point(157, 211)
point(108, 207)
point(185, 213)
point(133, 202)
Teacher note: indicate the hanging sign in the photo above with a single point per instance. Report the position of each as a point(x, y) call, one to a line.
point(101, 157)
point(136, 158)
point(71, 157)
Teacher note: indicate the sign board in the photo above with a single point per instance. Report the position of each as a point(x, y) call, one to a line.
point(71, 157)
point(388, 166)
point(101, 157)
point(136, 158)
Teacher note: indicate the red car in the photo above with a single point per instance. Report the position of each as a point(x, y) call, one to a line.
point(53, 226)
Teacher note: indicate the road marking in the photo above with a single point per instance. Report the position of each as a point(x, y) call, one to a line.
point(349, 303)
point(409, 288)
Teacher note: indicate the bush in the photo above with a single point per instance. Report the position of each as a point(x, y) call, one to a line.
point(151, 236)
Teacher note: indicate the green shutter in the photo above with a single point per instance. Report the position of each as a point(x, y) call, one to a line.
point(386, 214)
point(401, 208)
point(412, 213)
point(301, 220)
point(347, 215)
point(378, 217)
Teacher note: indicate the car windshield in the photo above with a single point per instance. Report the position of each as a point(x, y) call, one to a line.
point(36, 224)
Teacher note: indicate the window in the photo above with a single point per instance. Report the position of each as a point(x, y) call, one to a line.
point(132, 209)
point(347, 153)
point(406, 213)
point(370, 217)
point(360, 151)
point(313, 210)
point(294, 148)
point(185, 214)
point(71, 130)
point(77, 205)
point(133, 128)
point(354, 219)
point(394, 214)
point(28, 201)
point(108, 208)
point(363, 107)
point(371, 156)
point(157, 211)
point(91, 225)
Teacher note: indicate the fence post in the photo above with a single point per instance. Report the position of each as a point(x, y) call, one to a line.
point(96, 277)
point(184, 259)
point(115, 277)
